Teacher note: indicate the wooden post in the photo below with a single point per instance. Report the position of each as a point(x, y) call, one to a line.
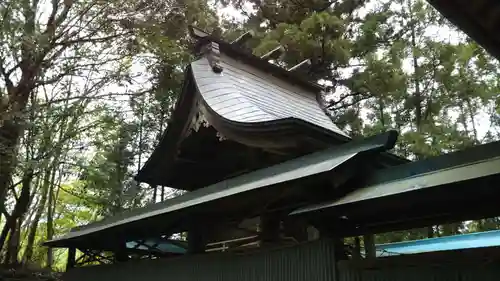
point(356, 254)
point(339, 254)
point(121, 254)
point(269, 230)
point(369, 242)
point(339, 250)
point(296, 228)
point(71, 261)
point(196, 239)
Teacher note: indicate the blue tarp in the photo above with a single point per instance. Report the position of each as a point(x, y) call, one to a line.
point(464, 241)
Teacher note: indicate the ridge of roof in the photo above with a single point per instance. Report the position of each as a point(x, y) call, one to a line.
point(234, 50)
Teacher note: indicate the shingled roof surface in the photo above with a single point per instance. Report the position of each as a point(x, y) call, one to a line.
point(245, 94)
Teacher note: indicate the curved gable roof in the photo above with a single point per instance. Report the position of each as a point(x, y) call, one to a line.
point(242, 93)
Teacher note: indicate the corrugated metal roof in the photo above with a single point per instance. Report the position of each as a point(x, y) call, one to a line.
point(243, 93)
point(312, 164)
point(436, 178)
point(456, 242)
point(310, 261)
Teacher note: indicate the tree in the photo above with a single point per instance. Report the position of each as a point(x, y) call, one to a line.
point(65, 78)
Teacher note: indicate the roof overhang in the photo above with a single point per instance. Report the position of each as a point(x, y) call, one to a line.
point(285, 132)
point(257, 134)
point(480, 19)
point(235, 197)
point(449, 188)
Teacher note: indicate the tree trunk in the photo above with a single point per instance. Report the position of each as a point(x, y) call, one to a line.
point(9, 138)
point(39, 212)
point(20, 208)
point(50, 224)
point(418, 95)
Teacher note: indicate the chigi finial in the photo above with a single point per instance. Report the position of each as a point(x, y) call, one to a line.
point(274, 54)
point(240, 41)
point(302, 65)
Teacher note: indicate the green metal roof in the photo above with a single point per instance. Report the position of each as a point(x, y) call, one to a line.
point(451, 175)
point(449, 188)
point(254, 185)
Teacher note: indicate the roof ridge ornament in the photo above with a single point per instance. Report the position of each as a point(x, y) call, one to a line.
point(207, 48)
point(211, 51)
point(209, 45)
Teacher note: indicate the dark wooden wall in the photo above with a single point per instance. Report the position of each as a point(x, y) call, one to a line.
point(312, 261)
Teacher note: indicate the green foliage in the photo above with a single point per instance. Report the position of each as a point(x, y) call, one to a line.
point(84, 97)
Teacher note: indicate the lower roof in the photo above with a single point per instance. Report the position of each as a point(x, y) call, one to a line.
point(480, 19)
point(246, 192)
point(453, 187)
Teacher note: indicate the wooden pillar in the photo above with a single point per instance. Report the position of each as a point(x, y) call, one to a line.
point(369, 243)
point(71, 261)
point(121, 254)
point(296, 228)
point(356, 254)
point(270, 227)
point(339, 249)
point(196, 239)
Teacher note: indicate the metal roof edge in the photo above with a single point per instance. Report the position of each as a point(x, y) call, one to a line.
point(453, 159)
point(454, 242)
point(367, 194)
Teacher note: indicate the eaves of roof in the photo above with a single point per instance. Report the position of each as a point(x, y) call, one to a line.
point(480, 19)
point(257, 183)
point(448, 188)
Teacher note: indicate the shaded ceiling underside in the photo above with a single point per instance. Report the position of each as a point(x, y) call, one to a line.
point(480, 19)
point(274, 187)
